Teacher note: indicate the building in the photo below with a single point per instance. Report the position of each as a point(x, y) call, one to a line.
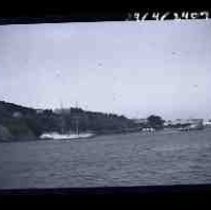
point(183, 123)
point(39, 111)
point(62, 111)
point(140, 121)
point(207, 123)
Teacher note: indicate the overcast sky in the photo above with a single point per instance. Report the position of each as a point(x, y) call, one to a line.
point(129, 68)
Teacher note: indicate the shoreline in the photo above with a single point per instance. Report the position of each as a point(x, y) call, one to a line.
point(141, 133)
point(91, 137)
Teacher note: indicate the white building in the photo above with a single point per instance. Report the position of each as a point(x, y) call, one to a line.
point(207, 123)
point(184, 121)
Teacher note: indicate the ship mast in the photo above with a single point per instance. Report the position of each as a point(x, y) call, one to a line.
point(77, 120)
point(62, 119)
point(62, 112)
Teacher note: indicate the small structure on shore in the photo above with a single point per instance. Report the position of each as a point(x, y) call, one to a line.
point(194, 124)
point(148, 129)
point(207, 123)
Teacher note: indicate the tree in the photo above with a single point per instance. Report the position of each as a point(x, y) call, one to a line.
point(155, 122)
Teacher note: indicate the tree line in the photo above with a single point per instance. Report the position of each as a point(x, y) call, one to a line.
point(26, 123)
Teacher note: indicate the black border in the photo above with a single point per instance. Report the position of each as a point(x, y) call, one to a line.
point(39, 14)
point(165, 197)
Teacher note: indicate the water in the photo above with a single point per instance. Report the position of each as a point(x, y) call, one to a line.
point(135, 159)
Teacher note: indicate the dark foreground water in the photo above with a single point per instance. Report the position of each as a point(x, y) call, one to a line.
point(163, 158)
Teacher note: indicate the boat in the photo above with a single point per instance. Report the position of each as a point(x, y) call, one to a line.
point(67, 135)
point(58, 136)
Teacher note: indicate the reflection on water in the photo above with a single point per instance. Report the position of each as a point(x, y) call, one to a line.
point(114, 160)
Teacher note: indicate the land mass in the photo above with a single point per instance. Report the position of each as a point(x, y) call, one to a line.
point(23, 123)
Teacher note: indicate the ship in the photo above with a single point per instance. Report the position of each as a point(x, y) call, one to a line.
point(67, 135)
point(59, 136)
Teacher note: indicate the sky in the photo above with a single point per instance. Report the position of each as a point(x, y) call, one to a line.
point(130, 68)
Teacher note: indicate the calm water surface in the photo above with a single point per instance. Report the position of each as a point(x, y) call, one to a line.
point(117, 160)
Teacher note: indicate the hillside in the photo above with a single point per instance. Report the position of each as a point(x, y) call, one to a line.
point(22, 123)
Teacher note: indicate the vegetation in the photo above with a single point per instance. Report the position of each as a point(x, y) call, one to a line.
point(18, 122)
point(28, 123)
point(155, 122)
